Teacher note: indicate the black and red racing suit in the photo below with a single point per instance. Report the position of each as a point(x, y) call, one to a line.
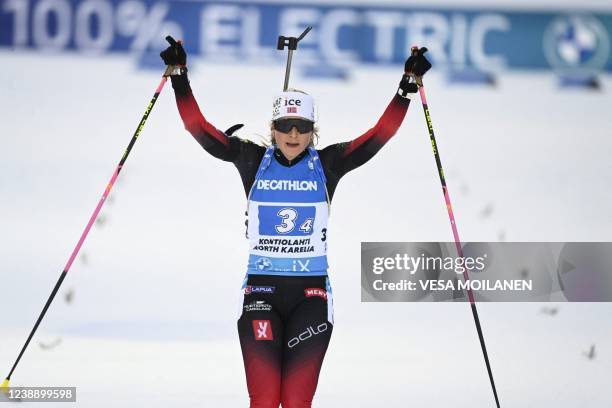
point(285, 326)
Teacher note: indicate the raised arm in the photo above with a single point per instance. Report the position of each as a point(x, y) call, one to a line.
point(213, 140)
point(338, 159)
point(244, 154)
point(358, 151)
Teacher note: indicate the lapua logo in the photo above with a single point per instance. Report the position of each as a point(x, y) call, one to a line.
point(308, 333)
point(258, 289)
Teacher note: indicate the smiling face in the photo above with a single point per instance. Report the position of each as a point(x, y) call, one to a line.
point(292, 144)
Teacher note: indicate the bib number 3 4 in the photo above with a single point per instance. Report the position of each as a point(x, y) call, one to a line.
point(288, 222)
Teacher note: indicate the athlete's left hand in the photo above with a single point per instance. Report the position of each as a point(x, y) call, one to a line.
point(417, 64)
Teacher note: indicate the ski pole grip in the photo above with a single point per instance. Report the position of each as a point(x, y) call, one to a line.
point(414, 51)
point(289, 42)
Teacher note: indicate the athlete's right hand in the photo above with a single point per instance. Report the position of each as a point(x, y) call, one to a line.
point(417, 64)
point(175, 54)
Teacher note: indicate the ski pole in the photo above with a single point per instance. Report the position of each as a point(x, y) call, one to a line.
point(5, 384)
point(291, 43)
point(451, 216)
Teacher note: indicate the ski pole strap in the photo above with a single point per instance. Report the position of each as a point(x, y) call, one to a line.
point(289, 42)
point(263, 165)
point(316, 161)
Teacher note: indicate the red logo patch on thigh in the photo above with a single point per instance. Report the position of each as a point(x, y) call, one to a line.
point(262, 329)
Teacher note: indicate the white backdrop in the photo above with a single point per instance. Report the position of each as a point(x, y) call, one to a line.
point(153, 314)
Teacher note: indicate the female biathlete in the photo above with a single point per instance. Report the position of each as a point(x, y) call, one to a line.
point(287, 317)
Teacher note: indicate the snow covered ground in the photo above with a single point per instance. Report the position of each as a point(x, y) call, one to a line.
point(152, 315)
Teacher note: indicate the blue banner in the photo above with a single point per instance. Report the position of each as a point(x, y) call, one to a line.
point(490, 40)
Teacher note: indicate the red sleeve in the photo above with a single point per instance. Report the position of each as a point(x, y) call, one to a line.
point(340, 158)
point(388, 124)
point(195, 123)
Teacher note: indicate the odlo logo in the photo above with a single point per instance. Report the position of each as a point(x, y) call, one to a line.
point(305, 335)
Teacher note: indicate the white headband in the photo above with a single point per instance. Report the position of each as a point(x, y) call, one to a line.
point(293, 104)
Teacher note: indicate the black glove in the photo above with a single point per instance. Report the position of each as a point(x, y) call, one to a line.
point(407, 87)
point(174, 54)
point(417, 64)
